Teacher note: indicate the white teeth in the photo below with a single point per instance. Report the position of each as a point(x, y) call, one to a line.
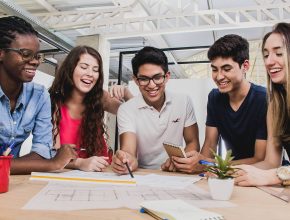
point(223, 83)
point(153, 92)
point(274, 70)
point(30, 71)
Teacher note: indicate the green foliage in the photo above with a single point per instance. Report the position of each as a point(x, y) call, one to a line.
point(222, 168)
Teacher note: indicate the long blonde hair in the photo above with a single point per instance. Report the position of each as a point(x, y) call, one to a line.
point(279, 95)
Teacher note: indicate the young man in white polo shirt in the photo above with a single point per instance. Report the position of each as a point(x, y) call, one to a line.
point(154, 117)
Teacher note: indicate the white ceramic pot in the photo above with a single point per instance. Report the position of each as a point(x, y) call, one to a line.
point(220, 189)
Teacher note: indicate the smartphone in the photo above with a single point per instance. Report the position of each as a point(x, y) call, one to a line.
point(174, 150)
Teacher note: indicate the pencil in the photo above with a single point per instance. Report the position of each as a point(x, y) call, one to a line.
point(130, 172)
point(9, 149)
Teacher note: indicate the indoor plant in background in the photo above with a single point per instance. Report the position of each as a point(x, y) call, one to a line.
point(221, 183)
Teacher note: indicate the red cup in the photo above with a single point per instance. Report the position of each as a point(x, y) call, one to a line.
point(5, 162)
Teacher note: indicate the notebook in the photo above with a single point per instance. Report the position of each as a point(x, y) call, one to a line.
point(174, 150)
point(176, 210)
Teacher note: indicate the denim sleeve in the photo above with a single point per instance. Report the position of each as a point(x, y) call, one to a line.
point(42, 131)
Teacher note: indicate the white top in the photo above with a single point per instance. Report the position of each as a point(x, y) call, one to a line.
point(152, 128)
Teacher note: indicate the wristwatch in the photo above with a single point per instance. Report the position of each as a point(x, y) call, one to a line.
point(283, 174)
point(286, 183)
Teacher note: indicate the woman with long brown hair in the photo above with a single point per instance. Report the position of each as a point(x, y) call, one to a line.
point(78, 104)
point(276, 53)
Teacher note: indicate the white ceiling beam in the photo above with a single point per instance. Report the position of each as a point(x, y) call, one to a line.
point(162, 43)
point(85, 18)
point(66, 20)
point(46, 5)
point(123, 3)
point(206, 20)
point(56, 40)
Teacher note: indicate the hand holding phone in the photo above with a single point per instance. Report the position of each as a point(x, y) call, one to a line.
point(174, 150)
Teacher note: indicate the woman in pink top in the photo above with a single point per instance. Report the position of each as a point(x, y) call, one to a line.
point(78, 104)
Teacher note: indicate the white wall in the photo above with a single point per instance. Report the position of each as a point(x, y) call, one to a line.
point(43, 79)
point(197, 89)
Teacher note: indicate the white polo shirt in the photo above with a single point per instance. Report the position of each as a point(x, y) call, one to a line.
point(152, 128)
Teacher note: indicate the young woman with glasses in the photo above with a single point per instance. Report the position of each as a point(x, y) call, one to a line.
point(25, 106)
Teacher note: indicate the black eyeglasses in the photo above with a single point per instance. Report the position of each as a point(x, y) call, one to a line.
point(158, 79)
point(27, 55)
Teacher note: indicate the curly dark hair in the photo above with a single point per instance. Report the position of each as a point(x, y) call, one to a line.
point(92, 128)
point(11, 25)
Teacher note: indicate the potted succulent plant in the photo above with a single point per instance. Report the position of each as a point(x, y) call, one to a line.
point(221, 183)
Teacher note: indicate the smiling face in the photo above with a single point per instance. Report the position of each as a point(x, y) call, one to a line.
point(274, 52)
point(153, 94)
point(86, 74)
point(12, 64)
point(227, 74)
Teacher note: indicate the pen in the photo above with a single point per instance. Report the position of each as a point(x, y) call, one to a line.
point(130, 172)
point(207, 163)
point(144, 210)
point(9, 149)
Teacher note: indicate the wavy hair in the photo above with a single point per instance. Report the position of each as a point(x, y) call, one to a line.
point(279, 95)
point(231, 45)
point(92, 128)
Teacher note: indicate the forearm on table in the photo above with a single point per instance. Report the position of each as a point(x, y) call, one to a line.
point(265, 165)
point(32, 163)
point(250, 160)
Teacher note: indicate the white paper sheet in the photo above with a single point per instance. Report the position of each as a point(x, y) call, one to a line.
point(76, 196)
point(177, 182)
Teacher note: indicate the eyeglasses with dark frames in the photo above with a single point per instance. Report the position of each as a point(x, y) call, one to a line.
point(27, 54)
point(158, 79)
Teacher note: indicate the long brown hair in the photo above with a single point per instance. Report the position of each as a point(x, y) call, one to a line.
point(92, 128)
point(279, 95)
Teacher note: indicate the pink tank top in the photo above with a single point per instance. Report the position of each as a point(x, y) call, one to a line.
point(69, 133)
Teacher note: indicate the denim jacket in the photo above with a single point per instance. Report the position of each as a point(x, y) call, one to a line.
point(32, 114)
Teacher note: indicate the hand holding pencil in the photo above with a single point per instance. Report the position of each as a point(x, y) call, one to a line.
point(123, 163)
